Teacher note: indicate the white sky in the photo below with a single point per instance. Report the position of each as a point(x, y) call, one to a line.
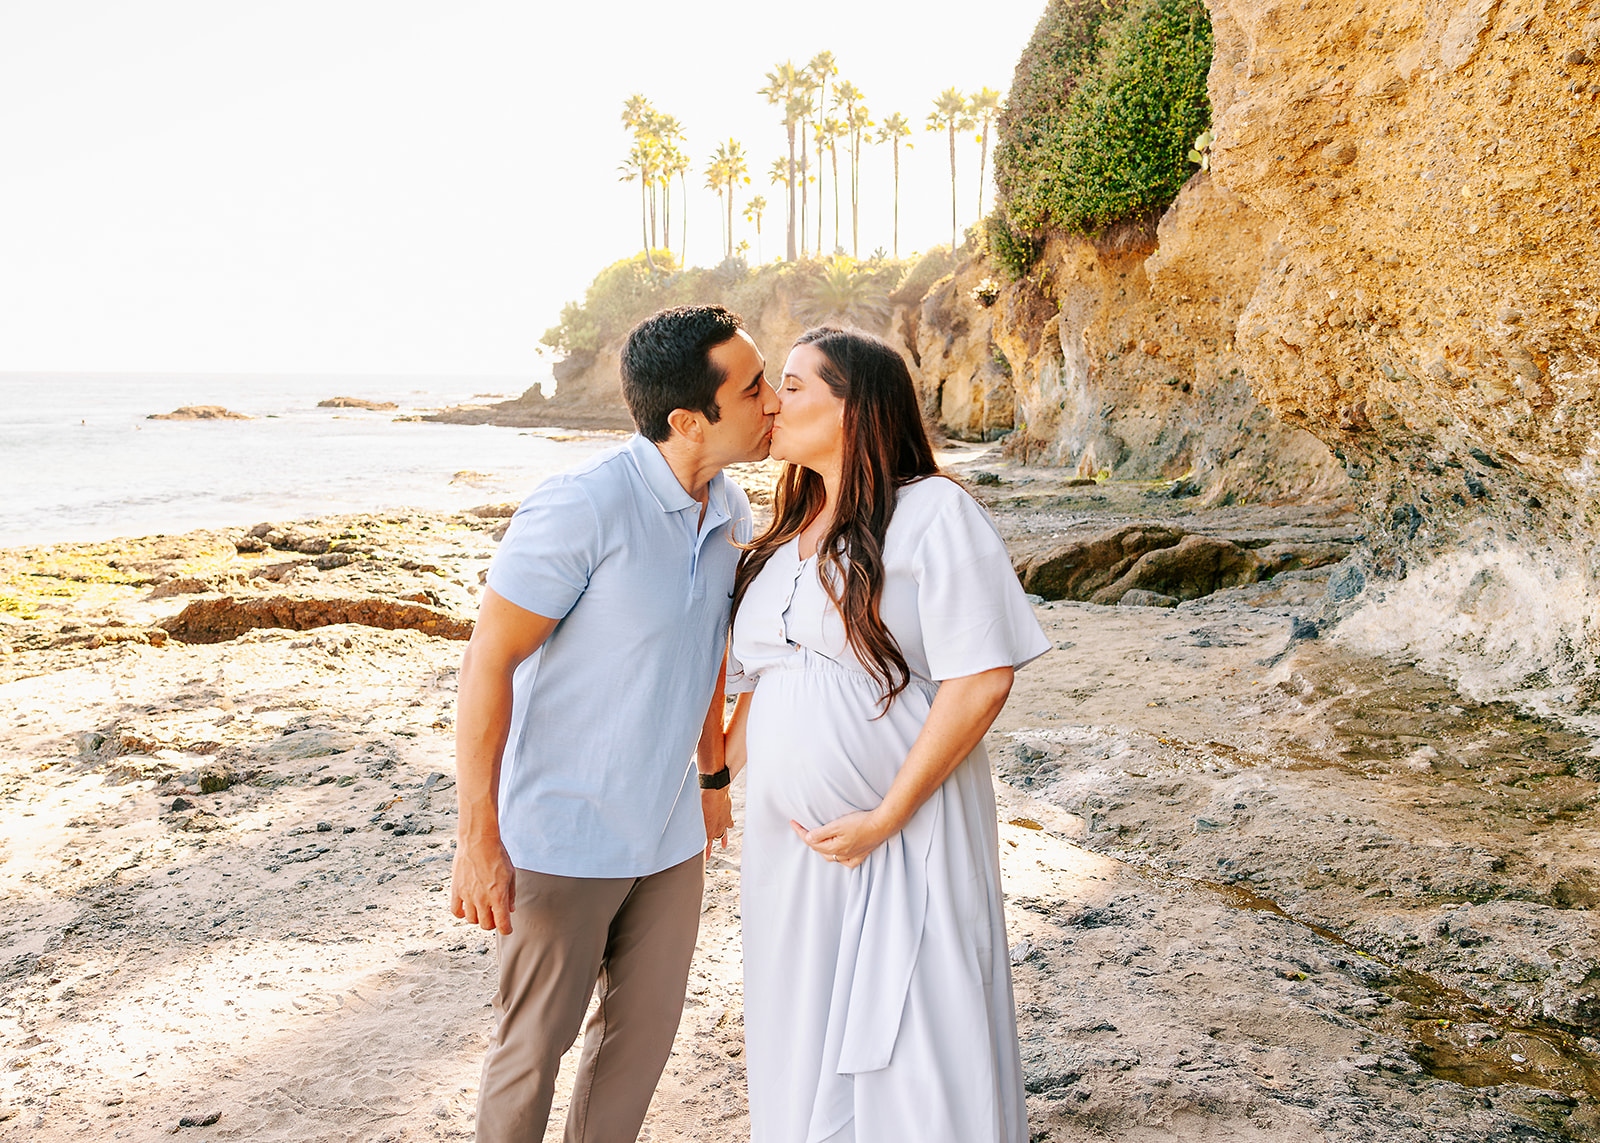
point(389, 186)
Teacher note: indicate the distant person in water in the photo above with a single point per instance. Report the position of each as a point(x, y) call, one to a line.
point(589, 694)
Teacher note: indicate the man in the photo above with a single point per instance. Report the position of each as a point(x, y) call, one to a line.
point(591, 678)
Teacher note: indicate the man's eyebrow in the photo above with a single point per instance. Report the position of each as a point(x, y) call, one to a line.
point(755, 382)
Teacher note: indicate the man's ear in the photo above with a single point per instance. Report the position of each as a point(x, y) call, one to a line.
point(686, 424)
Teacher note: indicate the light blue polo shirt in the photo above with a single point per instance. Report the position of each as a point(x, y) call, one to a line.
point(597, 779)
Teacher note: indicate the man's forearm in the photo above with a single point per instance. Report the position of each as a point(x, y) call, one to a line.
point(483, 721)
point(709, 752)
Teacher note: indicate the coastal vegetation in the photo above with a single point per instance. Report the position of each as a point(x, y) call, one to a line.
point(1104, 109)
point(836, 288)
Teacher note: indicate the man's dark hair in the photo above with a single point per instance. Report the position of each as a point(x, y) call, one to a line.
point(666, 365)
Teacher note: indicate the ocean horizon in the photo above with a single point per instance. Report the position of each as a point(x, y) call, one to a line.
point(83, 462)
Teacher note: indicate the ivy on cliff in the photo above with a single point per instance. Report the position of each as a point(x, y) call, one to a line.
point(1106, 101)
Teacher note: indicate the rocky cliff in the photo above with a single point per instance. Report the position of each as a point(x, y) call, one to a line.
point(1381, 289)
point(1115, 356)
point(1431, 170)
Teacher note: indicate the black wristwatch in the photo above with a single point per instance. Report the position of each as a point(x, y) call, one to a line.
point(716, 781)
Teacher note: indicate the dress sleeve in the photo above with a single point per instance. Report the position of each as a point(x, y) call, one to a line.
point(549, 551)
point(973, 614)
point(737, 682)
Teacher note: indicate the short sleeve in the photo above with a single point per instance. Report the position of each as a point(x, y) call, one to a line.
point(549, 551)
point(973, 613)
point(737, 682)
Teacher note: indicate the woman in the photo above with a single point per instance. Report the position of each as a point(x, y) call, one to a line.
point(877, 626)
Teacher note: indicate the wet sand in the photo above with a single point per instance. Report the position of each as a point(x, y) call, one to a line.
point(1258, 888)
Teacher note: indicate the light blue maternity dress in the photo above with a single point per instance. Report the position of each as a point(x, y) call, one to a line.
point(878, 1005)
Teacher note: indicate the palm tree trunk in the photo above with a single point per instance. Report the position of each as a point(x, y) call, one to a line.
point(644, 221)
point(833, 154)
point(897, 200)
point(805, 165)
point(952, 190)
point(855, 195)
point(683, 224)
point(983, 167)
point(666, 213)
point(791, 250)
point(730, 217)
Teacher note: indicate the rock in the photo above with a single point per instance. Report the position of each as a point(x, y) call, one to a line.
point(356, 403)
point(199, 413)
point(249, 544)
point(217, 620)
point(200, 1119)
point(1196, 566)
point(493, 511)
point(1078, 569)
point(1138, 597)
point(324, 827)
point(181, 804)
point(216, 777)
point(182, 585)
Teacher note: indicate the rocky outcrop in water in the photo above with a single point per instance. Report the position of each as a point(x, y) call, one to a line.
point(356, 403)
point(199, 413)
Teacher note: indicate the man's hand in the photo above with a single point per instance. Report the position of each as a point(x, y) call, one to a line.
point(716, 806)
point(483, 885)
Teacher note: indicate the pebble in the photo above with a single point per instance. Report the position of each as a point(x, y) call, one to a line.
point(324, 827)
point(180, 804)
point(205, 1120)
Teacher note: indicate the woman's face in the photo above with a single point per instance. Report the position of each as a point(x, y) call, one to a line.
point(809, 427)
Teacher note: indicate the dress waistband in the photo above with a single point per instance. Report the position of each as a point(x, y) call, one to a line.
point(807, 659)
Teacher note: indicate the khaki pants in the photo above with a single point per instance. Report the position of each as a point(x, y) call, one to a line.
point(635, 936)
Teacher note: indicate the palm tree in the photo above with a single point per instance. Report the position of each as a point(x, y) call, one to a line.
point(950, 114)
point(828, 134)
point(678, 164)
point(727, 167)
point(856, 119)
point(781, 89)
point(752, 213)
point(637, 166)
point(821, 71)
point(894, 128)
point(846, 294)
point(985, 107)
point(667, 131)
point(806, 105)
point(717, 180)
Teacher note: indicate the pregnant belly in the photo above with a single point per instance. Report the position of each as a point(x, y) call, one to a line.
point(817, 749)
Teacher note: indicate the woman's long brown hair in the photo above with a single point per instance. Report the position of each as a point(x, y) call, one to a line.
point(885, 447)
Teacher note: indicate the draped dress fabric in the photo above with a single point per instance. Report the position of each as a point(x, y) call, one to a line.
point(878, 1003)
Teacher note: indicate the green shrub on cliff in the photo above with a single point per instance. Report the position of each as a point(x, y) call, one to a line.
point(1106, 101)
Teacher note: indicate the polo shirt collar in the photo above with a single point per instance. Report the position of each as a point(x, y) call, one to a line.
point(658, 477)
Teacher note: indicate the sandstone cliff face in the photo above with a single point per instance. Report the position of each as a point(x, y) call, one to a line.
point(1431, 169)
point(1116, 358)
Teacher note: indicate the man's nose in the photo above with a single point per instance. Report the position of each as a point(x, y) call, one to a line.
point(772, 403)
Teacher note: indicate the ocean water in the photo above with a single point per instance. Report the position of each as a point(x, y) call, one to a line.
point(80, 461)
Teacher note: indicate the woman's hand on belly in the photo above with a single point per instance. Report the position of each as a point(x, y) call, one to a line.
point(848, 840)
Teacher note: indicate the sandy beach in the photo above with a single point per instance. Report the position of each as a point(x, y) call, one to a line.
point(1260, 886)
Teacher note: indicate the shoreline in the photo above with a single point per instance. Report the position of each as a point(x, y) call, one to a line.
point(1259, 887)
